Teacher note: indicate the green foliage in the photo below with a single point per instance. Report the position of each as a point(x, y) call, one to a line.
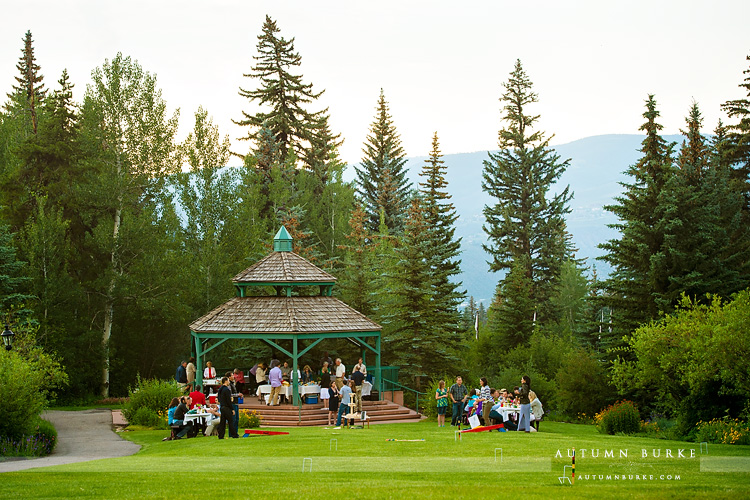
point(737, 146)
point(694, 363)
point(22, 394)
point(723, 431)
point(621, 417)
point(582, 384)
point(150, 394)
point(145, 417)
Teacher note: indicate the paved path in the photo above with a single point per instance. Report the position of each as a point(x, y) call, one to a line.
point(81, 436)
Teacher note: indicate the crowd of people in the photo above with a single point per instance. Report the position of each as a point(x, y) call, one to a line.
point(216, 416)
point(337, 392)
point(487, 405)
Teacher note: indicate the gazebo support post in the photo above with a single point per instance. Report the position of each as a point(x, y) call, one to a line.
point(295, 379)
point(378, 377)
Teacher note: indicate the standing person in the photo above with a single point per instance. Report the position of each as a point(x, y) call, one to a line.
point(361, 366)
point(333, 402)
point(326, 359)
point(441, 395)
point(274, 377)
point(235, 395)
point(225, 409)
point(459, 394)
point(524, 417)
point(252, 382)
point(190, 369)
point(239, 380)
point(181, 375)
point(307, 375)
point(340, 372)
point(485, 394)
point(325, 376)
point(358, 377)
point(210, 371)
point(286, 371)
point(346, 398)
point(261, 378)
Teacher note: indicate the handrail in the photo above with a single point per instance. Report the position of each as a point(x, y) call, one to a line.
point(416, 392)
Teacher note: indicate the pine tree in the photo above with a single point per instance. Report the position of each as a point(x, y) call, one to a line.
point(381, 180)
point(30, 92)
point(413, 341)
point(443, 248)
point(705, 243)
point(50, 159)
point(293, 126)
point(738, 136)
point(356, 279)
point(526, 225)
point(635, 279)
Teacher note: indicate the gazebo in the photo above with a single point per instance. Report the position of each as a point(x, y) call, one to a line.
point(287, 315)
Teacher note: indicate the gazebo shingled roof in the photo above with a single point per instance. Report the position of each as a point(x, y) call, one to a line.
point(284, 315)
point(283, 267)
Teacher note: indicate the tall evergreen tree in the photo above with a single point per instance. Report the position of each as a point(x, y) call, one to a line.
point(526, 224)
point(293, 126)
point(356, 278)
point(738, 136)
point(705, 242)
point(443, 248)
point(636, 278)
point(29, 92)
point(381, 181)
point(50, 159)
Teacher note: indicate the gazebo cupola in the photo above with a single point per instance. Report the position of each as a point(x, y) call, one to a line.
point(284, 270)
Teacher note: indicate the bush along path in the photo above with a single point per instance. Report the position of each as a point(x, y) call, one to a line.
point(81, 436)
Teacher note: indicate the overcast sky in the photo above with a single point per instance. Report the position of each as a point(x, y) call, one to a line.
point(440, 64)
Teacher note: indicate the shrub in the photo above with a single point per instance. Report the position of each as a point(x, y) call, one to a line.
point(723, 431)
point(582, 382)
point(40, 442)
point(145, 417)
point(249, 419)
point(152, 394)
point(22, 395)
point(620, 417)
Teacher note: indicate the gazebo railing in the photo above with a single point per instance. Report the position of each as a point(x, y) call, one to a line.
point(416, 392)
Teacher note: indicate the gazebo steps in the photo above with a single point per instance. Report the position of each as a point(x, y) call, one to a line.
point(317, 414)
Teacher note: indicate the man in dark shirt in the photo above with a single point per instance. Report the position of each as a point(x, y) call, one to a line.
point(225, 409)
point(458, 394)
point(358, 378)
point(179, 417)
point(181, 375)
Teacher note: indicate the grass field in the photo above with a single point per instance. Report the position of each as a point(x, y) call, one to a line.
point(366, 466)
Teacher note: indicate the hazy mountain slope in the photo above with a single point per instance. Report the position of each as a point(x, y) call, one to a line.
point(597, 167)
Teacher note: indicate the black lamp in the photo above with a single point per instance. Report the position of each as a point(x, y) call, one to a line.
point(8, 338)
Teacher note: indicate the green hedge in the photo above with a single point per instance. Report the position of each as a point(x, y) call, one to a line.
point(148, 399)
point(21, 394)
point(621, 417)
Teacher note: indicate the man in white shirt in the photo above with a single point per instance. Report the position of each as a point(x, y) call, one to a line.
point(340, 372)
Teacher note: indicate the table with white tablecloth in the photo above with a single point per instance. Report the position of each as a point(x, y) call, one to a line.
point(288, 390)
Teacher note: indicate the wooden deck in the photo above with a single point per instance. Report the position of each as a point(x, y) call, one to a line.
point(287, 415)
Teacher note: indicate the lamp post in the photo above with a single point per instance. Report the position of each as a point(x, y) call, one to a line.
point(8, 338)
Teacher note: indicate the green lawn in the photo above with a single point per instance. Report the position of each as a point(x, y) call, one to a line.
point(367, 466)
